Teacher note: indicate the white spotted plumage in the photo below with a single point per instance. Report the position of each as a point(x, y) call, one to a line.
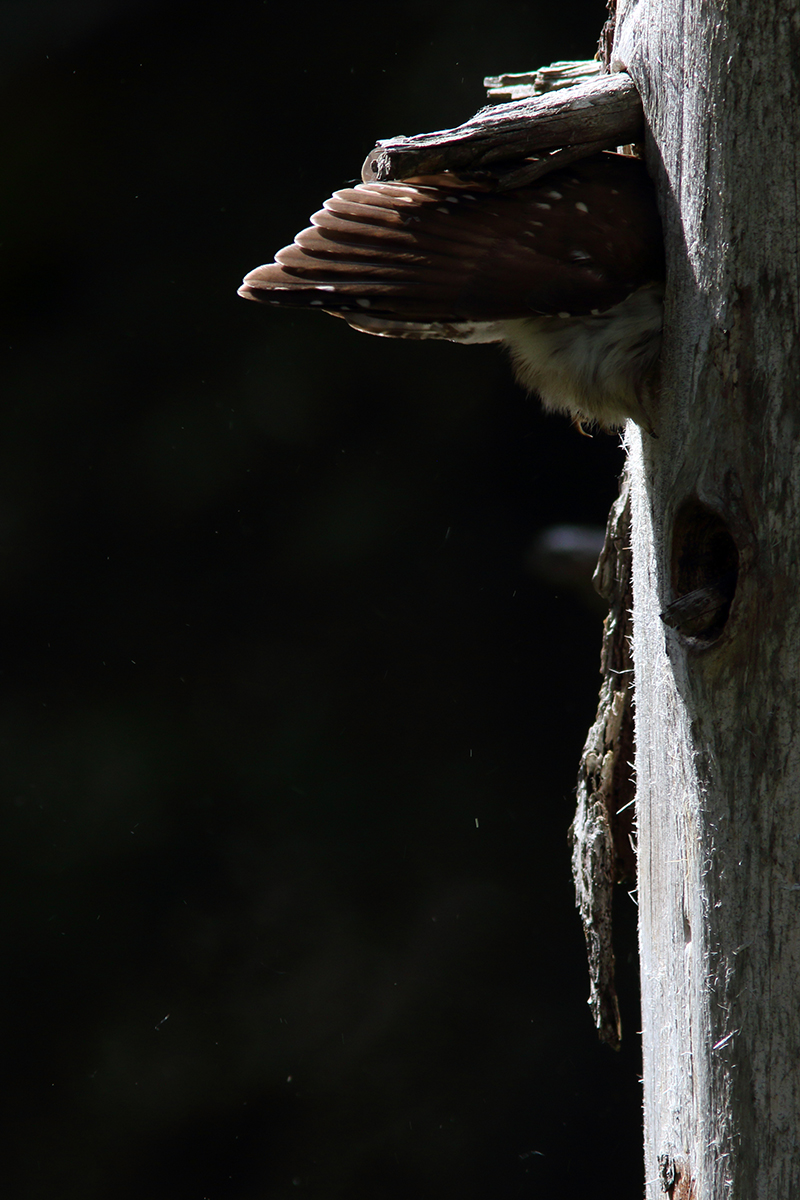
point(567, 273)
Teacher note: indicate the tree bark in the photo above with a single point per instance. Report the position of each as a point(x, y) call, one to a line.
point(716, 514)
point(599, 113)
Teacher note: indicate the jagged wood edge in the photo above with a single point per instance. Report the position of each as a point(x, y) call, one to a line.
point(558, 75)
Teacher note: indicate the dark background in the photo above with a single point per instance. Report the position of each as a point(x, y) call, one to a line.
point(289, 728)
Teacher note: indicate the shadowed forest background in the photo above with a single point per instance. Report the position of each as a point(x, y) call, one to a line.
point(290, 728)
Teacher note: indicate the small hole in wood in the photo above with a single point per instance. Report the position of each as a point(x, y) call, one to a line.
point(704, 572)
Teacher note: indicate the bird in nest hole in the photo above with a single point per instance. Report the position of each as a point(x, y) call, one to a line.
point(566, 272)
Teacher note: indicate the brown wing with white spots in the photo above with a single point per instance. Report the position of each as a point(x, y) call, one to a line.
point(579, 240)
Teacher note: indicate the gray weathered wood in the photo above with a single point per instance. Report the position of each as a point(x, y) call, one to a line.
point(718, 709)
point(600, 113)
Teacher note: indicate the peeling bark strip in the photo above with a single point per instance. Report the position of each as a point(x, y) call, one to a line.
point(602, 853)
point(600, 114)
point(502, 88)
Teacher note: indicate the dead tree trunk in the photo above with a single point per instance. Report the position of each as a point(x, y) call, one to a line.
point(716, 565)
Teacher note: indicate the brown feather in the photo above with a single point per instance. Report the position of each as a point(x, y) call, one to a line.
point(577, 241)
point(566, 272)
